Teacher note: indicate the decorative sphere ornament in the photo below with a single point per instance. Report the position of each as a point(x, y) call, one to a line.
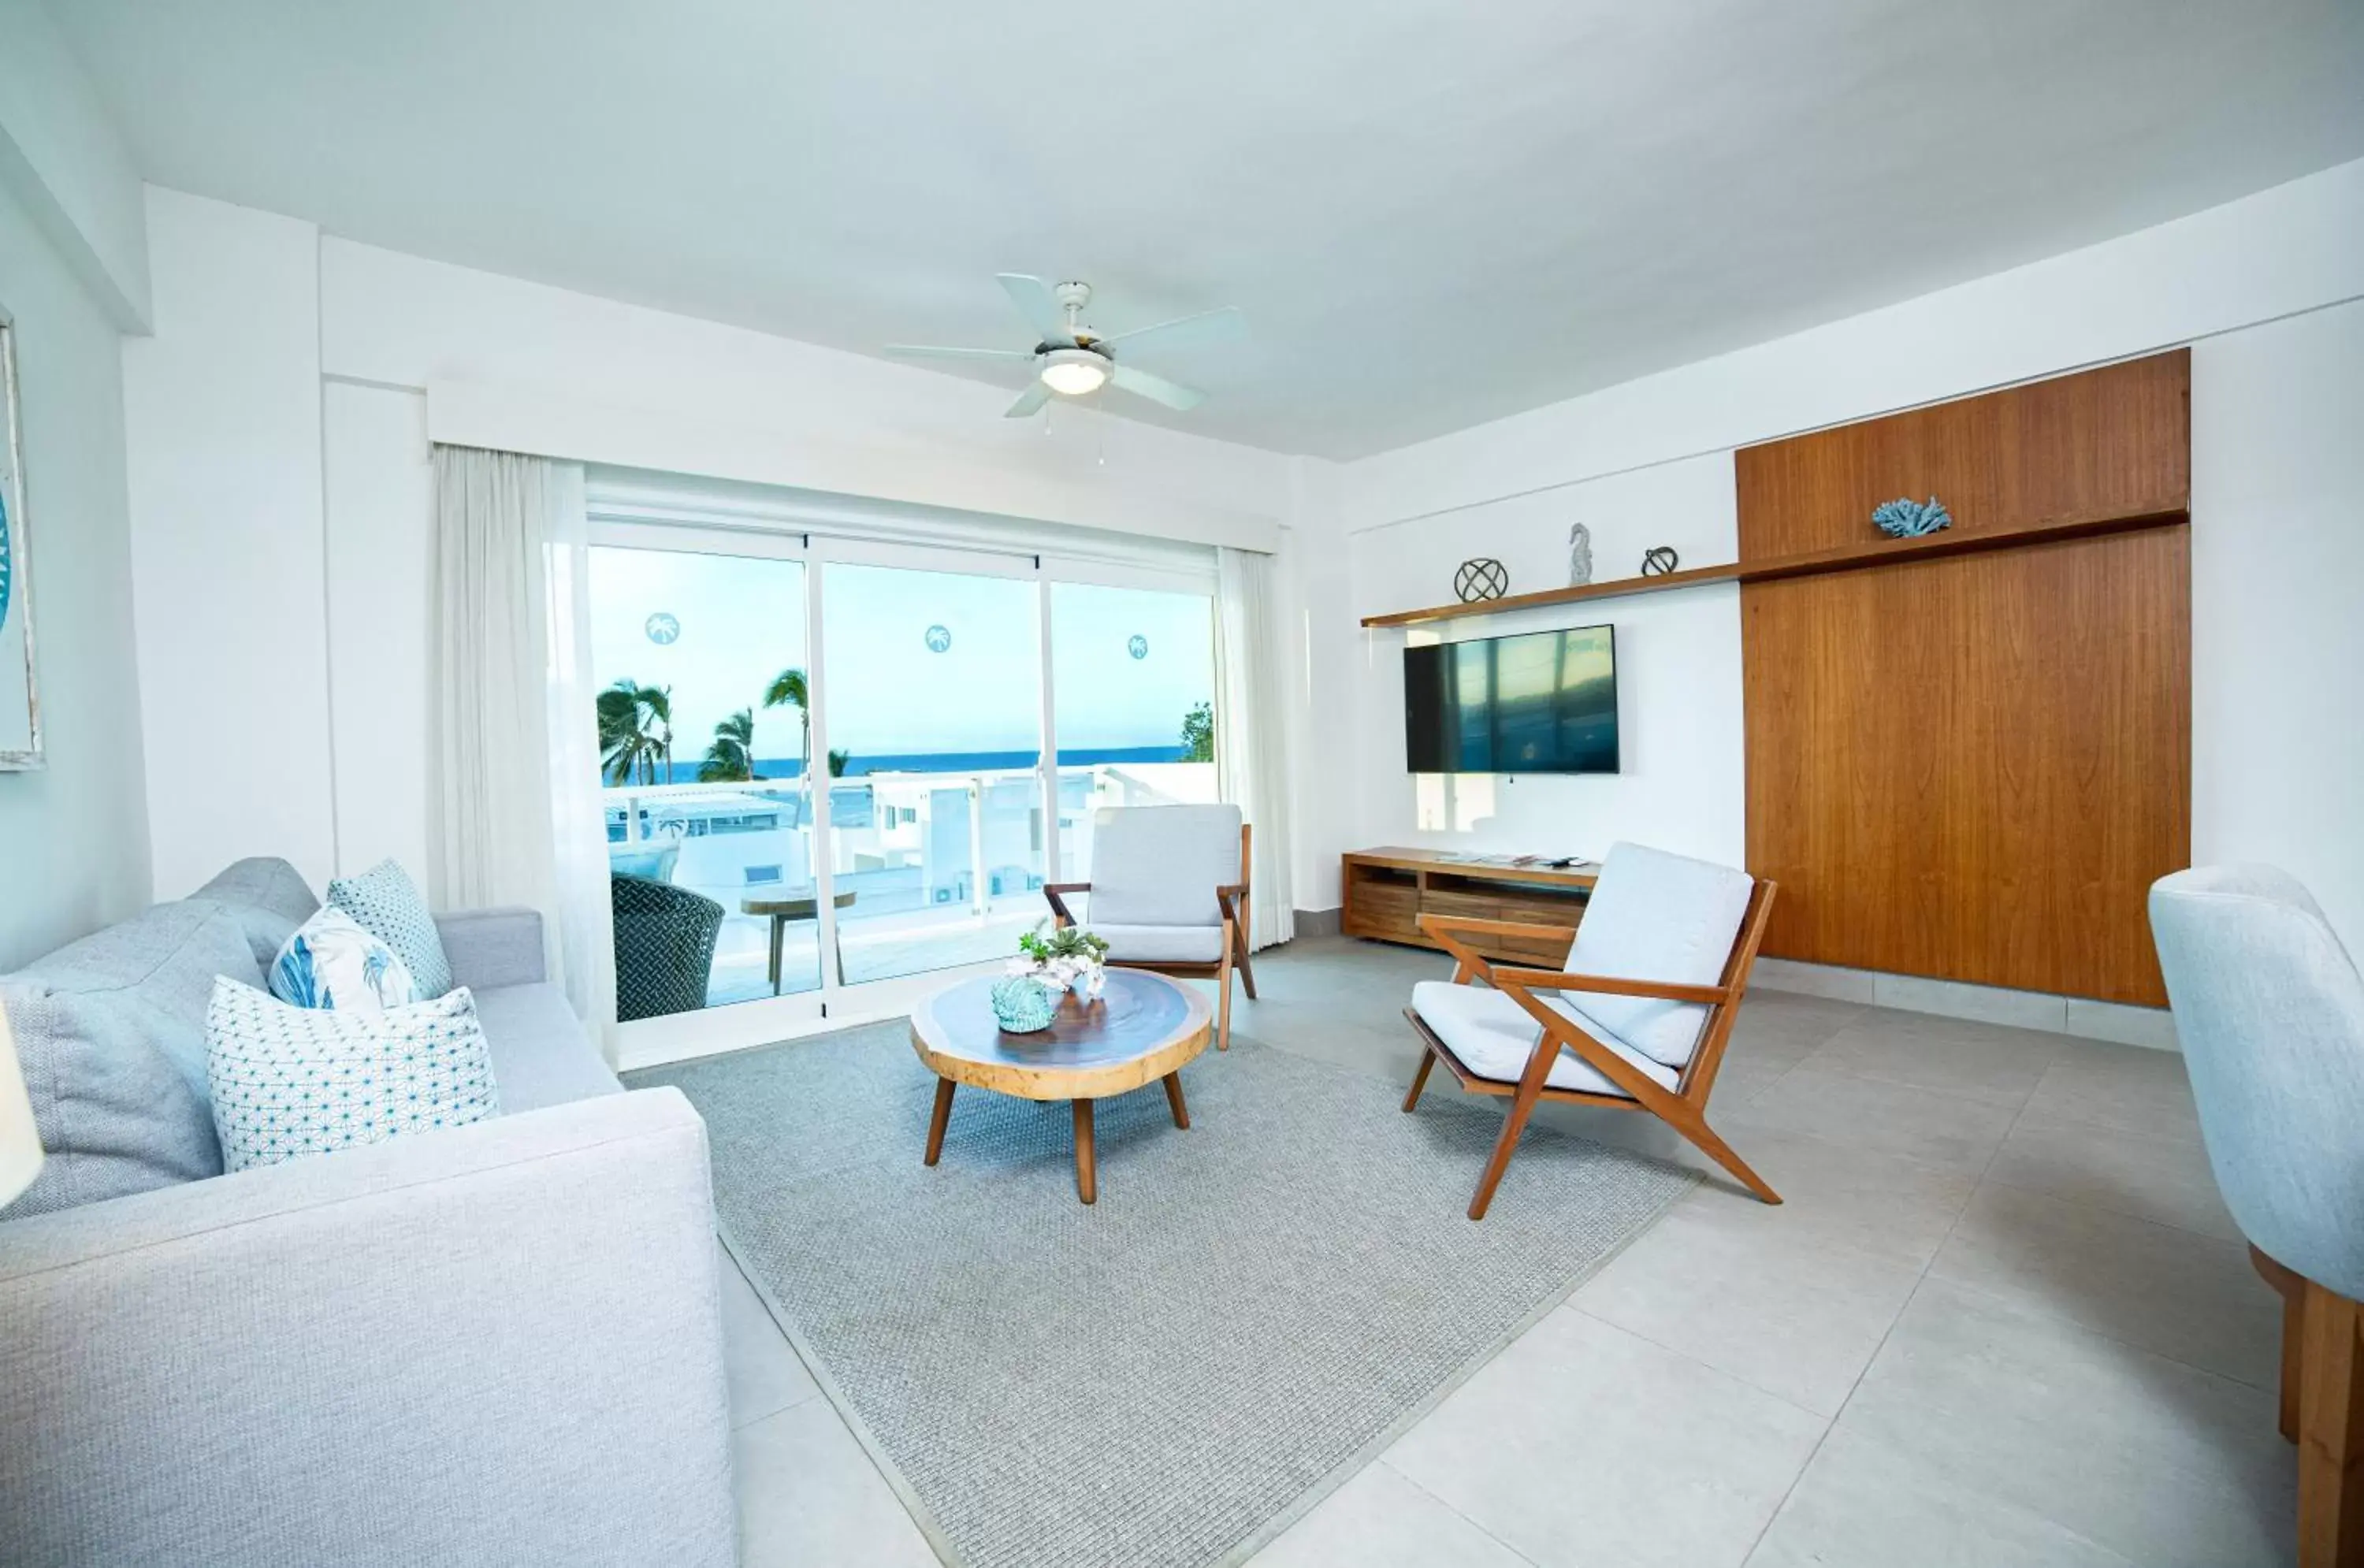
point(1480, 579)
point(1907, 519)
point(1660, 561)
point(1579, 556)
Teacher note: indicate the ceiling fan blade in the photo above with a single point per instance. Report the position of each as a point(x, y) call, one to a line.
point(1156, 388)
point(1032, 297)
point(1225, 326)
point(934, 352)
point(1029, 400)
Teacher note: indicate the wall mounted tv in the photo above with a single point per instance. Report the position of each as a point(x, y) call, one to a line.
point(1542, 702)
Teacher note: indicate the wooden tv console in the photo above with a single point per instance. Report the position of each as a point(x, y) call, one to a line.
point(1386, 890)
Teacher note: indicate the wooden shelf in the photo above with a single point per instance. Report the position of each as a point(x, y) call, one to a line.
point(1845, 558)
point(1387, 891)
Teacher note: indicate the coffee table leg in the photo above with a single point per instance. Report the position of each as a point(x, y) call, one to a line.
point(1088, 1179)
point(942, 1116)
point(1174, 1098)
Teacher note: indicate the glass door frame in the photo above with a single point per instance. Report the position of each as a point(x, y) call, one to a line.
point(832, 1005)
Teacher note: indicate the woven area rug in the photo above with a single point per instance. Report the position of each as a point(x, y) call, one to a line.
point(1163, 1379)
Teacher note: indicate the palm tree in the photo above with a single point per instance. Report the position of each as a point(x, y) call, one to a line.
point(788, 690)
point(732, 757)
point(836, 762)
point(1198, 734)
point(636, 732)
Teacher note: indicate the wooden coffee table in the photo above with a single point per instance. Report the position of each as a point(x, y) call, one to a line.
point(1144, 1026)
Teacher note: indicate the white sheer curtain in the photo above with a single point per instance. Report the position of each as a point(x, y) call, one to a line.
point(516, 766)
point(1252, 762)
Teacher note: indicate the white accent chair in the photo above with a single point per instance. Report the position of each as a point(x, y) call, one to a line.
point(1637, 1020)
point(1169, 893)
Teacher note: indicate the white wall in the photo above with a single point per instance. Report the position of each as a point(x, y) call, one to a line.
point(286, 384)
point(1678, 692)
point(224, 411)
point(73, 835)
point(73, 176)
point(2278, 604)
point(2276, 524)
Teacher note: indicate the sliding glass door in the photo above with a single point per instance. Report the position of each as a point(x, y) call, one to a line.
point(834, 772)
point(699, 660)
point(935, 752)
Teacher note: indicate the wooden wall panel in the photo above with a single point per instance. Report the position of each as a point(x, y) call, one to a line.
point(2117, 439)
point(1973, 768)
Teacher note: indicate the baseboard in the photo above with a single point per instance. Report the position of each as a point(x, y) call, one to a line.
point(1318, 922)
point(2088, 1019)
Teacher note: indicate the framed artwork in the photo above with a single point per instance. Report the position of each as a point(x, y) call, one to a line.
point(20, 700)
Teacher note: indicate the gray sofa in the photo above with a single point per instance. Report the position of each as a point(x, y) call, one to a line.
point(500, 1343)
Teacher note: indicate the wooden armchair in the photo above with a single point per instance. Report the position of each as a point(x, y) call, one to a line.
point(1170, 893)
point(1637, 1022)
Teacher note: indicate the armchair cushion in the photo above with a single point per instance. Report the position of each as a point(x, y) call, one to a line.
point(1654, 916)
point(1162, 944)
point(1494, 1036)
point(1159, 865)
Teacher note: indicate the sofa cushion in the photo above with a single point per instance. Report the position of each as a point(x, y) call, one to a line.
point(1494, 1038)
point(1654, 916)
point(269, 897)
point(288, 1082)
point(1162, 944)
point(110, 1032)
point(388, 904)
point(542, 1056)
point(331, 963)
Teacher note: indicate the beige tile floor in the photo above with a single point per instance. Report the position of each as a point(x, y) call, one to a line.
point(2002, 1319)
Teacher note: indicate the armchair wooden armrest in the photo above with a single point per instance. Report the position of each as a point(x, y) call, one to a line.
point(1606, 984)
point(1059, 911)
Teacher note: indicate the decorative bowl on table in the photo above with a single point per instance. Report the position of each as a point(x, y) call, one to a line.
point(1023, 1005)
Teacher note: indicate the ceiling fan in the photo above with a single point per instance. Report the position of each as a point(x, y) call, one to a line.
point(1074, 361)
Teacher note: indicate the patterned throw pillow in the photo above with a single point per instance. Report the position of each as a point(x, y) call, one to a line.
point(330, 962)
point(294, 1081)
point(386, 903)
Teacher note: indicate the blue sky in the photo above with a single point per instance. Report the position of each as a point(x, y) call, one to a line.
point(742, 621)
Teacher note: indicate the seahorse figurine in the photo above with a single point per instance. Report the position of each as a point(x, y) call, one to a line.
point(1579, 556)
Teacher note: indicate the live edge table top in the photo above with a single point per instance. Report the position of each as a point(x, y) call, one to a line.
point(1142, 1027)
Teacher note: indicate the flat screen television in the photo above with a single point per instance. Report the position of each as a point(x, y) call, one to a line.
point(1542, 702)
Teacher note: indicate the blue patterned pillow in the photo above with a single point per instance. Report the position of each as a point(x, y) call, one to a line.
point(294, 1080)
point(386, 903)
point(330, 962)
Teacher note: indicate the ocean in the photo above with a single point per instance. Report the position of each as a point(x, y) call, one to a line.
point(685, 772)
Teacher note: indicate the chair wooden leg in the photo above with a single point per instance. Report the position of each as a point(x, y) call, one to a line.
point(1223, 1025)
point(1499, 1161)
point(1240, 957)
point(2331, 1432)
point(1420, 1079)
point(1703, 1137)
point(2292, 1287)
point(941, 1119)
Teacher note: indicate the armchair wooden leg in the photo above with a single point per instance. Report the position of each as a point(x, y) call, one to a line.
point(1703, 1137)
point(1522, 1104)
point(2331, 1432)
point(1240, 957)
point(1420, 1079)
point(1223, 1024)
point(2292, 1287)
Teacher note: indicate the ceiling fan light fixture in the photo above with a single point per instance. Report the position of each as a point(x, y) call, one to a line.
point(1074, 373)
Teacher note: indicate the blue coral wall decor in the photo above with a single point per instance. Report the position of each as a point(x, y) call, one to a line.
point(1906, 519)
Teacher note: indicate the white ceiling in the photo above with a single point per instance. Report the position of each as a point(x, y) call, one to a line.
point(1435, 213)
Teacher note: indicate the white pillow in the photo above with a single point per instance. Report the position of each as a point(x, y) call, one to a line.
point(331, 961)
point(288, 1082)
point(1654, 916)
